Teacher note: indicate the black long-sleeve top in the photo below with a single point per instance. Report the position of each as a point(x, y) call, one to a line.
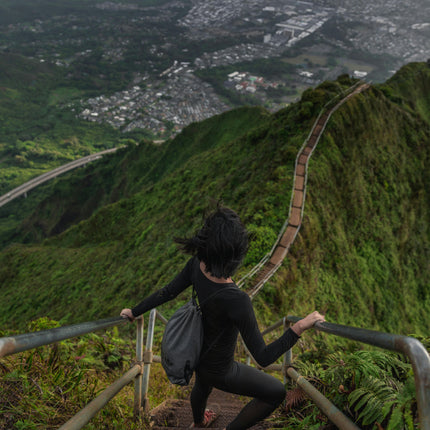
point(227, 313)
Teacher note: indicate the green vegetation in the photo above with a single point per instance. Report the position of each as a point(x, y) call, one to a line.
point(407, 88)
point(172, 203)
point(361, 254)
point(38, 132)
point(27, 10)
point(52, 208)
point(375, 387)
point(44, 387)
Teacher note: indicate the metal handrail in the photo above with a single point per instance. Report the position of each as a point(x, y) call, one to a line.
point(327, 407)
point(84, 416)
point(140, 371)
point(23, 342)
point(406, 345)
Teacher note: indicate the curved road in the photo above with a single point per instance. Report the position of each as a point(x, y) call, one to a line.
point(24, 188)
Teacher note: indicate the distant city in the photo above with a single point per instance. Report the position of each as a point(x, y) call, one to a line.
point(178, 50)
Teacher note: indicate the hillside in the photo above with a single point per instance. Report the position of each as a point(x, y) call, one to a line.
point(74, 197)
point(362, 254)
point(364, 248)
point(40, 129)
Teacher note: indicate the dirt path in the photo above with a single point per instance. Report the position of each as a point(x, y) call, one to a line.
point(176, 414)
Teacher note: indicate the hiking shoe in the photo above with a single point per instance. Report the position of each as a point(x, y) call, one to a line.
point(210, 415)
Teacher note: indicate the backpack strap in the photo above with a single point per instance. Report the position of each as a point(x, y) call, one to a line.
point(200, 304)
point(194, 297)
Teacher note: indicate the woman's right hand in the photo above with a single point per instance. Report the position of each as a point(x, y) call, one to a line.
point(307, 322)
point(126, 313)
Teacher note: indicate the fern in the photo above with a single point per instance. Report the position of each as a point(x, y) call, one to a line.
point(409, 420)
point(396, 421)
point(363, 364)
point(294, 398)
point(377, 400)
point(369, 399)
point(402, 406)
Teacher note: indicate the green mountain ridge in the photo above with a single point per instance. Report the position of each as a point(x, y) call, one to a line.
point(72, 198)
point(362, 252)
point(40, 130)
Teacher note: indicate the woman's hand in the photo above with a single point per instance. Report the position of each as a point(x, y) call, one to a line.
point(126, 313)
point(307, 322)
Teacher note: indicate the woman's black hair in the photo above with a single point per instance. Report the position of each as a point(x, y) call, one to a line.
point(221, 243)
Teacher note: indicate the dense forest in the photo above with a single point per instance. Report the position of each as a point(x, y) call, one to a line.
point(101, 238)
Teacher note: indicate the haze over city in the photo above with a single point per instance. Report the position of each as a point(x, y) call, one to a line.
point(182, 61)
point(302, 126)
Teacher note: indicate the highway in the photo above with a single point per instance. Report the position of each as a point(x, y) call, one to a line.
point(24, 188)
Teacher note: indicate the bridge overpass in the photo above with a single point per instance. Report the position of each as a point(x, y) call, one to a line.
point(23, 189)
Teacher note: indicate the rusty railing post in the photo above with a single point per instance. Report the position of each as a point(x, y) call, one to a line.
point(147, 359)
point(406, 345)
point(139, 359)
point(330, 410)
point(248, 360)
point(288, 357)
point(85, 415)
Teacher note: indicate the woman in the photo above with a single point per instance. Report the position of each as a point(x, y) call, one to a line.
point(218, 249)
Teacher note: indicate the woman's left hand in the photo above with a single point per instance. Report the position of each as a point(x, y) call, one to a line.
point(126, 313)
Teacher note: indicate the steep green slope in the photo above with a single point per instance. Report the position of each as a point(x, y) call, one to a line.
point(125, 249)
point(74, 197)
point(40, 131)
point(361, 254)
point(410, 88)
point(39, 128)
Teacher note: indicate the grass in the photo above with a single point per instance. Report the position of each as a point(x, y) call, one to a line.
point(320, 60)
point(357, 65)
point(62, 95)
point(251, 164)
point(361, 254)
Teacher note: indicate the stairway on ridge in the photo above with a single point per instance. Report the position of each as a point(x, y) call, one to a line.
point(176, 414)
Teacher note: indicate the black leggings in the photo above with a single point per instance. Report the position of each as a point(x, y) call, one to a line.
point(267, 391)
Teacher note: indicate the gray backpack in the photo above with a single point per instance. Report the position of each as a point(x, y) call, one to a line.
point(183, 340)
